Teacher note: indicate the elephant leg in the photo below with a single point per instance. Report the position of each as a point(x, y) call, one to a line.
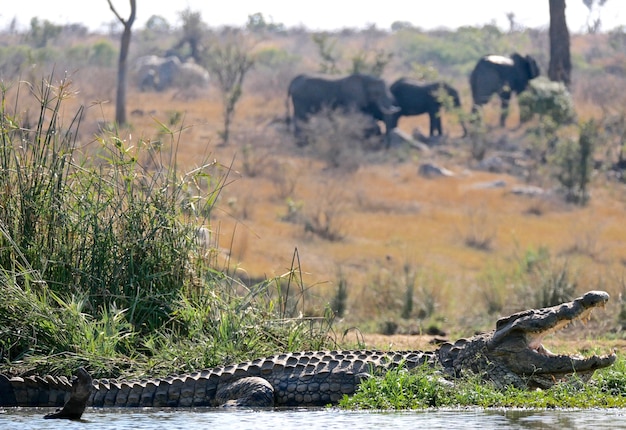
point(432, 119)
point(435, 123)
point(301, 137)
point(505, 98)
point(475, 116)
point(148, 82)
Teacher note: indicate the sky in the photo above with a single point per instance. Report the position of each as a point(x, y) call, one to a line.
point(318, 14)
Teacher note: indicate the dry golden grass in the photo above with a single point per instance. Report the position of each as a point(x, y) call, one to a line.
point(569, 345)
point(389, 216)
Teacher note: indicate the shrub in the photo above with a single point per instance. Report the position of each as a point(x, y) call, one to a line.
point(341, 139)
point(13, 60)
point(323, 214)
point(546, 98)
point(340, 300)
point(573, 163)
point(273, 58)
point(544, 280)
point(103, 54)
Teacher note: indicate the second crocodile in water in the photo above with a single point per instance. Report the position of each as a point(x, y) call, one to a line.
point(510, 355)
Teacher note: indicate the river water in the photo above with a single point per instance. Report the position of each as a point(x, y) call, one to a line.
point(287, 419)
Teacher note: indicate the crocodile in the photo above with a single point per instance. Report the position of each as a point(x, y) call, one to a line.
point(510, 355)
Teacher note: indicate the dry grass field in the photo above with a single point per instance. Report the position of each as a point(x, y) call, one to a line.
point(394, 226)
point(453, 246)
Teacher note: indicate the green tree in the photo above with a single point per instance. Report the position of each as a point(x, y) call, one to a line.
point(258, 24)
point(229, 60)
point(102, 54)
point(42, 33)
point(361, 62)
point(157, 24)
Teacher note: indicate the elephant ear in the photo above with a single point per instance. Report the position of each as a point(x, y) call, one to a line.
point(533, 68)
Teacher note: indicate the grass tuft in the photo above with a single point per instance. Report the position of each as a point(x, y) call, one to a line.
point(423, 388)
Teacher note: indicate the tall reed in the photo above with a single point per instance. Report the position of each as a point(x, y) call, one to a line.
point(100, 251)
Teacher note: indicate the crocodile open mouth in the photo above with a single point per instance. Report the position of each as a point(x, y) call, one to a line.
point(518, 341)
point(535, 339)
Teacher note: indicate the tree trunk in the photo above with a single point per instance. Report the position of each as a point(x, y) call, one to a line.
point(120, 101)
point(560, 69)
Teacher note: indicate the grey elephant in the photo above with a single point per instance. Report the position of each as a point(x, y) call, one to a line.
point(161, 73)
point(156, 73)
point(495, 74)
point(191, 74)
point(354, 93)
point(415, 98)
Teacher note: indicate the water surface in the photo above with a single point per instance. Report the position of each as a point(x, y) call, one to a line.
point(287, 419)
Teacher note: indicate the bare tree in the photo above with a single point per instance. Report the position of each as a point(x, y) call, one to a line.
point(120, 102)
point(560, 68)
point(593, 17)
point(510, 16)
point(229, 60)
point(326, 48)
point(193, 32)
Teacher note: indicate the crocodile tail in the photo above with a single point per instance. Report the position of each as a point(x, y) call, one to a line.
point(7, 396)
point(34, 391)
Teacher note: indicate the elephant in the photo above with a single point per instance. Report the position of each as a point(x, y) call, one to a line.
point(502, 76)
point(162, 73)
point(415, 98)
point(353, 93)
point(191, 74)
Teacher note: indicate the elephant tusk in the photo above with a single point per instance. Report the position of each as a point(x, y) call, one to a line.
point(390, 110)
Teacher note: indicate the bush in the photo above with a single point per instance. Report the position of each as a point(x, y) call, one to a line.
point(341, 139)
point(103, 55)
point(573, 163)
point(273, 58)
point(546, 98)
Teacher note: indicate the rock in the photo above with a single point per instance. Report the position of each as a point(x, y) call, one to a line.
point(528, 190)
point(430, 170)
point(500, 183)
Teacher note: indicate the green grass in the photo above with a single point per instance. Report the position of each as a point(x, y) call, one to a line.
point(399, 389)
point(100, 265)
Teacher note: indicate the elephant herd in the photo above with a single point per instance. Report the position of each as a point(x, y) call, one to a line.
point(493, 74)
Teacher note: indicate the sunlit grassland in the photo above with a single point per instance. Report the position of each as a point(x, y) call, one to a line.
point(464, 248)
point(388, 215)
point(402, 218)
